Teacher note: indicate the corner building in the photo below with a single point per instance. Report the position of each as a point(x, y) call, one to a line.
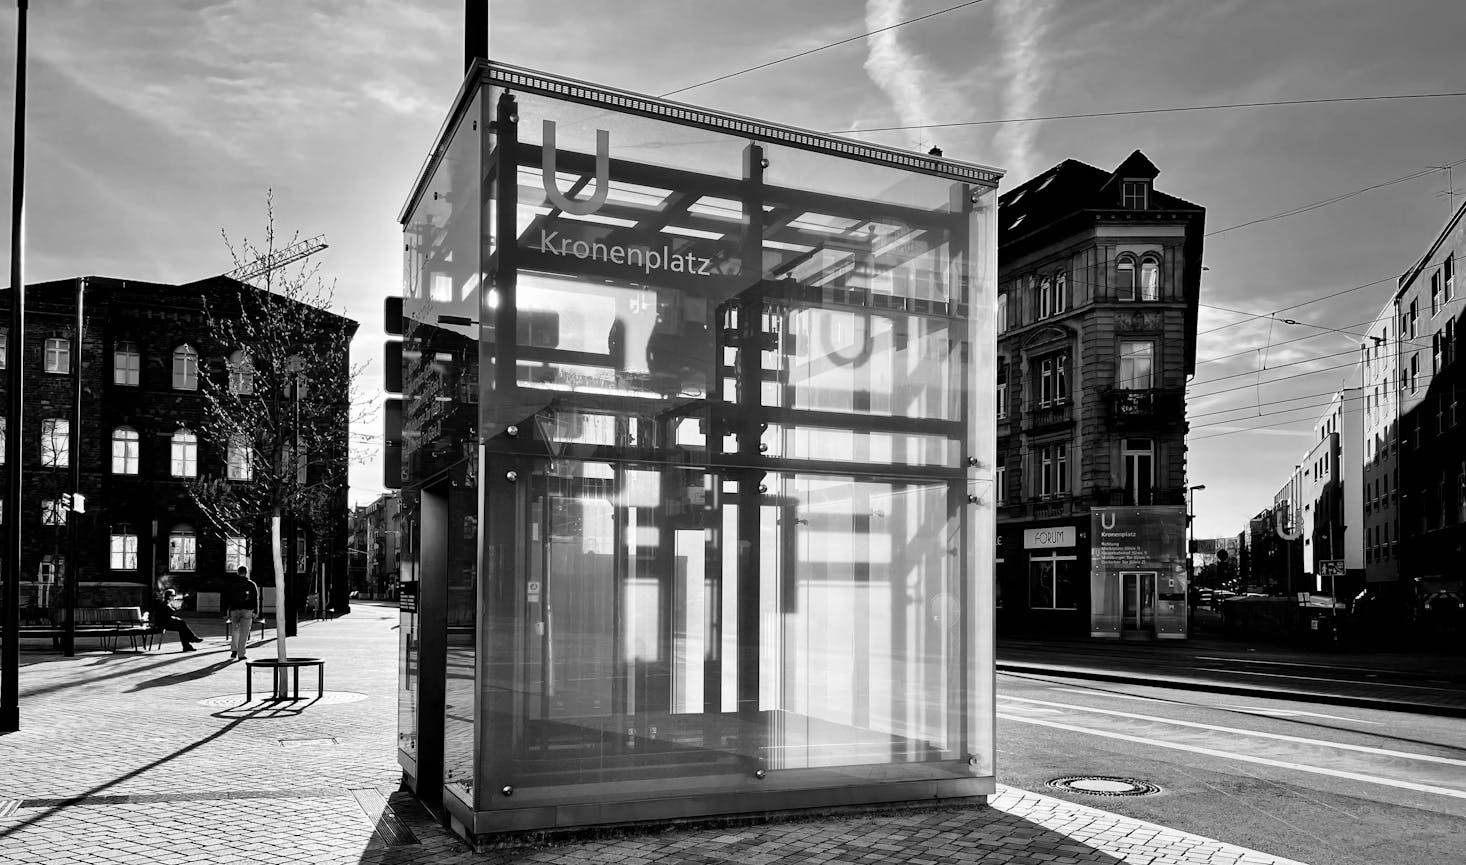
point(697, 465)
point(1099, 279)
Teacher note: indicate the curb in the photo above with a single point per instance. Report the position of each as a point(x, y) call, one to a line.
point(1238, 690)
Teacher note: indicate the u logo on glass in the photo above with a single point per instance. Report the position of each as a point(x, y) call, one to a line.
point(552, 185)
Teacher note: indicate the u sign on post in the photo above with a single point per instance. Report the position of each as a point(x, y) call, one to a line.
point(552, 184)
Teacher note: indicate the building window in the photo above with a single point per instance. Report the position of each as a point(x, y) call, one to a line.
point(236, 553)
point(126, 364)
point(2, 441)
point(58, 356)
point(1000, 480)
point(1414, 316)
point(122, 549)
point(1061, 290)
point(1002, 392)
point(1435, 352)
point(4, 348)
point(53, 512)
point(185, 368)
point(241, 373)
point(1052, 296)
point(1150, 279)
point(1053, 471)
point(1051, 582)
point(1414, 372)
point(1002, 314)
point(55, 442)
point(1053, 380)
point(1435, 292)
point(184, 461)
point(125, 444)
point(1134, 194)
point(1448, 343)
point(1138, 457)
point(1448, 269)
point(182, 549)
point(240, 459)
point(1125, 277)
point(1137, 366)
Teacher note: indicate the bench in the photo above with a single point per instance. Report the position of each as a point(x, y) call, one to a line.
point(291, 664)
point(108, 625)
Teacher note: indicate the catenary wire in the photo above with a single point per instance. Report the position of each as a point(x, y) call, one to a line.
point(1167, 110)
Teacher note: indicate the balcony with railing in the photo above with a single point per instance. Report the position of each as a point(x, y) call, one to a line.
point(1047, 415)
point(1151, 407)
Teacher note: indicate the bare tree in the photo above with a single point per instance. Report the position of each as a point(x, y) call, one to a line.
point(278, 412)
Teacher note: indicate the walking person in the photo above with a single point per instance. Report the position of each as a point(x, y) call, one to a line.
point(242, 600)
point(163, 613)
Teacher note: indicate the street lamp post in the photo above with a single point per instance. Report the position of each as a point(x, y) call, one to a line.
point(1191, 536)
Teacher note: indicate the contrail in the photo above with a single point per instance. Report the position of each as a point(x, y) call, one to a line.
point(1020, 30)
point(897, 72)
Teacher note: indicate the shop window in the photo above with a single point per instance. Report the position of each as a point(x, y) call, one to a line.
point(1138, 458)
point(239, 459)
point(1051, 582)
point(122, 548)
point(126, 364)
point(241, 373)
point(58, 356)
point(55, 442)
point(1137, 365)
point(184, 458)
point(182, 549)
point(125, 453)
point(185, 368)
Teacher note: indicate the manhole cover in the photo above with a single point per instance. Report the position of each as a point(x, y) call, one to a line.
point(307, 698)
point(1104, 785)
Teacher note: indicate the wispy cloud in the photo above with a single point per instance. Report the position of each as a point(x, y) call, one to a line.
point(899, 72)
point(1021, 25)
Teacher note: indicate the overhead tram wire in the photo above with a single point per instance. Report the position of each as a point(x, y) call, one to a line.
point(821, 48)
point(1251, 385)
point(1314, 406)
point(1168, 110)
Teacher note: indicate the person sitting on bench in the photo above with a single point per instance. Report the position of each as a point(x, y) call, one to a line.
point(163, 613)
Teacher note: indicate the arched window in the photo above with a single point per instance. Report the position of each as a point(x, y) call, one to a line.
point(239, 459)
point(183, 548)
point(122, 549)
point(125, 444)
point(185, 368)
point(241, 373)
point(1045, 298)
point(1061, 289)
point(1125, 282)
point(126, 364)
point(184, 462)
point(1150, 279)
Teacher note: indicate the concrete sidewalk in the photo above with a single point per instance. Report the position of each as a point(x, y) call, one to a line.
point(156, 757)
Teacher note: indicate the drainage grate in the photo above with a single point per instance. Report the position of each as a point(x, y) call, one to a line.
point(1104, 785)
point(306, 743)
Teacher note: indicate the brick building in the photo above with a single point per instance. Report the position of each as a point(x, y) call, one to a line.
point(143, 352)
point(1099, 279)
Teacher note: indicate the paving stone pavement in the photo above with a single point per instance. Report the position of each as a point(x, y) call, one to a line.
point(155, 757)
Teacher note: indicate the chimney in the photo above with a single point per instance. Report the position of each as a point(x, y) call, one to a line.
point(475, 32)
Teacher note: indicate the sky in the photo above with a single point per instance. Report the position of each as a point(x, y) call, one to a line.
point(153, 128)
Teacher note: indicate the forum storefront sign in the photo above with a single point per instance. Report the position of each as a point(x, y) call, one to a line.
point(1138, 571)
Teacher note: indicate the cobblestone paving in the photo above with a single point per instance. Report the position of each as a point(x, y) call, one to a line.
point(154, 757)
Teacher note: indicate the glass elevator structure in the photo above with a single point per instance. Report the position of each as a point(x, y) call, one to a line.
point(697, 463)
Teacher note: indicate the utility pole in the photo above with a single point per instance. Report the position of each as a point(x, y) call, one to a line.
point(15, 414)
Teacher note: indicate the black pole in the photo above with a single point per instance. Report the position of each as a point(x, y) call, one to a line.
point(475, 32)
point(73, 557)
point(10, 642)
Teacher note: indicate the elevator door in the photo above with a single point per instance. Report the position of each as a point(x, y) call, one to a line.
point(1137, 602)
